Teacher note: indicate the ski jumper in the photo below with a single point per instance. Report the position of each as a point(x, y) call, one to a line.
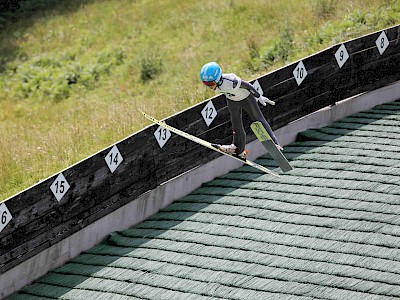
point(242, 95)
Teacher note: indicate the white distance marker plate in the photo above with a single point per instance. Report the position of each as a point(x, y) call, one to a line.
point(113, 159)
point(300, 73)
point(162, 135)
point(209, 113)
point(5, 216)
point(60, 187)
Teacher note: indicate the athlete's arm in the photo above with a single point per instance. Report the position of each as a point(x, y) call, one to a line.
point(248, 86)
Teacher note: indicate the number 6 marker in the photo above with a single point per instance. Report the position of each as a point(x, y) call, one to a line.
point(5, 216)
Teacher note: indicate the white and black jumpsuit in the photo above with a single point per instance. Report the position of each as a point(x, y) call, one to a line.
point(242, 95)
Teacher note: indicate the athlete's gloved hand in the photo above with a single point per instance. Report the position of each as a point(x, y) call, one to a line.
point(264, 100)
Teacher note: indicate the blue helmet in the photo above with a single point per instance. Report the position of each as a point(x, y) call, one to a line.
point(211, 72)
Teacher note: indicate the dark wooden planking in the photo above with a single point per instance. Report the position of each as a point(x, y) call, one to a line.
point(15, 259)
point(30, 196)
point(281, 76)
point(319, 80)
point(191, 120)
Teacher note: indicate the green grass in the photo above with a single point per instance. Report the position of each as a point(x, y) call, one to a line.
point(73, 76)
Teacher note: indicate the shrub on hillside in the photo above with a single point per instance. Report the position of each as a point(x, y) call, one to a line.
point(150, 66)
point(279, 49)
point(51, 77)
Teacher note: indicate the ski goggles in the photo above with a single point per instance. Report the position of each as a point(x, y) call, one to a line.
point(209, 83)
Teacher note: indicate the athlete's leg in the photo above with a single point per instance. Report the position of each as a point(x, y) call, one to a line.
point(251, 106)
point(239, 135)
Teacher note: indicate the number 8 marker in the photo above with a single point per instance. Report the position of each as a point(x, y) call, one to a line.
point(382, 42)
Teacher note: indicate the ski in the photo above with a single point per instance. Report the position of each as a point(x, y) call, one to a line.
point(263, 136)
point(208, 145)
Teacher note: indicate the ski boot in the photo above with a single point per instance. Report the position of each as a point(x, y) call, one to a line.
point(232, 149)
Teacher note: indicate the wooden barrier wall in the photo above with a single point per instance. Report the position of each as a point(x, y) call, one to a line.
point(61, 205)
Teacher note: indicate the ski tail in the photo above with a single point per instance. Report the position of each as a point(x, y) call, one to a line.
point(263, 136)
